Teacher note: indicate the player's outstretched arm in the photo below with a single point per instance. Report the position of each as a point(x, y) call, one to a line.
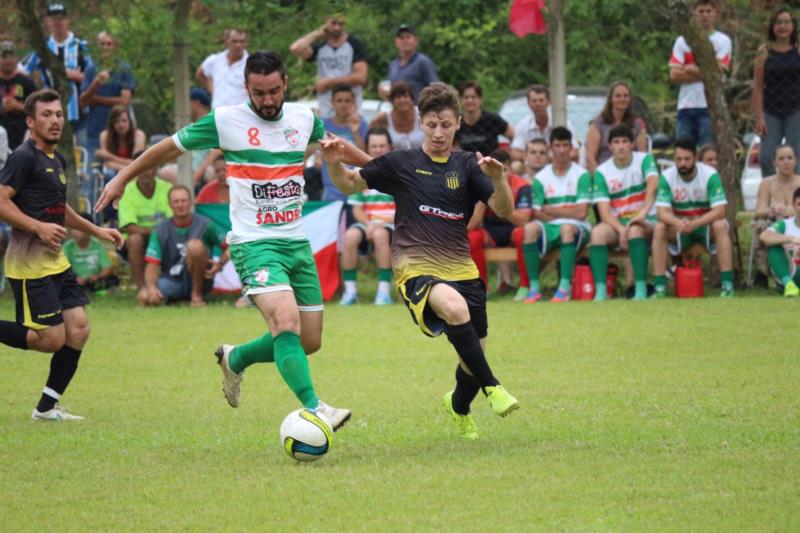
point(155, 156)
point(347, 180)
point(501, 201)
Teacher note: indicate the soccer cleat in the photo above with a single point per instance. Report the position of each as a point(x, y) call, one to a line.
point(726, 293)
point(560, 296)
point(383, 298)
point(501, 402)
point(521, 294)
point(465, 424)
point(231, 381)
point(348, 298)
point(336, 416)
point(533, 296)
point(791, 290)
point(56, 414)
point(659, 294)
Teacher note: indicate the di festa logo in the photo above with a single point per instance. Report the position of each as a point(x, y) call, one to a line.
point(452, 181)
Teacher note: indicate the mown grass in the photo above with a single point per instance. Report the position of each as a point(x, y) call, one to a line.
point(668, 415)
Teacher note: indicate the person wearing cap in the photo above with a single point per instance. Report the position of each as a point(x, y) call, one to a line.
point(74, 52)
point(104, 85)
point(411, 66)
point(222, 74)
point(14, 88)
point(341, 60)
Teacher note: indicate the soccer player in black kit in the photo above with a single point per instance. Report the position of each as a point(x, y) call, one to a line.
point(435, 190)
point(49, 302)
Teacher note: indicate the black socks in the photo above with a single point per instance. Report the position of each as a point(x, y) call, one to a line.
point(63, 366)
point(465, 340)
point(13, 334)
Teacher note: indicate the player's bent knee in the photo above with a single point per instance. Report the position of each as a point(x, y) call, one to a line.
point(660, 231)
point(312, 345)
point(531, 232)
point(567, 231)
point(50, 339)
point(719, 226)
point(196, 247)
point(636, 231)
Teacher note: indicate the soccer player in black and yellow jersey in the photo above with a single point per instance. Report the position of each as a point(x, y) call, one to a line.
point(435, 190)
point(50, 303)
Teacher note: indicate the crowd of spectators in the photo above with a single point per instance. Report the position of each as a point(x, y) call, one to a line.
point(560, 183)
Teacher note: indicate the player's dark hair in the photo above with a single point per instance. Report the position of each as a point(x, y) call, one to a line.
point(264, 62)
point(341, 88)
point(711, 3)
point(502, 156)
point(538, 88)
point(686, 144)
point(401, 88)
point(471, 84)
point(796, 195)
point(622, 130)
point(178, 188)
point(42, 95)
point(377, 131)
point(438, 97)
point(560, 133)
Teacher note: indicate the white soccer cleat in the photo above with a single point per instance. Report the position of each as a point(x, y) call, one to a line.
point(56, 414)
point(337, 417)
point(231, 381)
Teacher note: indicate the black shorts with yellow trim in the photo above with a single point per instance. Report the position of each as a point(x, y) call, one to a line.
point(40, 301)
point(414, 293)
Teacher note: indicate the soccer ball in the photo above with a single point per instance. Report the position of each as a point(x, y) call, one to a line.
point(305, 435)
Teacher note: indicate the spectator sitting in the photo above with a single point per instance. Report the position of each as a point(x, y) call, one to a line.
point(774, 203)
point(479, 129)
point(217, 191)
point(374, 215)
point(347, 124)
point(618, 110)
point(487, 230)
point(15, 87)
point(412, 67)
point(691, 209)
point(90, 261)
point(562, 193)
point(776, 88)
point(537, 156)
point(120, 140)
point(783, 240)
point(178, 255)
point(105, 85)
point(708, 154)
point(222, 74)
point(340, 57)
point(402, 122)
point(143, 205)
point(537, 125)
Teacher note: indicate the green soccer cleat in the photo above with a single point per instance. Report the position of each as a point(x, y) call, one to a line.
point(465, 424)
point(791, 290)
point(501, 402)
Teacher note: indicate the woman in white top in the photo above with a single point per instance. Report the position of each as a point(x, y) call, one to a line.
point(403, 120)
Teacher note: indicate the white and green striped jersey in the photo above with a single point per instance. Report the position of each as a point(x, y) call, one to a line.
point(264, 166)
point(625, 189)
point(788, 226)
point(691, 198)
point(571, 189)
point(376, 204)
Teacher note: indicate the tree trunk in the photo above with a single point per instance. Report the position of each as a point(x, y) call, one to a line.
point(556, 63)
point(180, 66)
point(33, 30)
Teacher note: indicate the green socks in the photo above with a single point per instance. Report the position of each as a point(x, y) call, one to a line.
point(350, 274)
point(598, 259)
point(637, 248)
point(779, 263)
point(727, 280)
point(260, 350)
point(661, 284)
point(384, 274)
point(530, 251)
point(568, 253)
point(293, 366)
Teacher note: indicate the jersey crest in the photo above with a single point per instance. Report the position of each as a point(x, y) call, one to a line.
point(451, 179)
point(292, 136)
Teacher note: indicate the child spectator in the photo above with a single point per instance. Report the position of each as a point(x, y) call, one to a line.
point(90, 261)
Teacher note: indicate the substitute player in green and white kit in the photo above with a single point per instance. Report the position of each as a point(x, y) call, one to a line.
point(264, 143)
point(625, 196)
point(562, 193)
point(691, 209)
point(783, 249)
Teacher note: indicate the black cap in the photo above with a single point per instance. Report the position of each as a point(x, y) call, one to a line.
point(403, 28)
point(6, 47)
point(56, 10)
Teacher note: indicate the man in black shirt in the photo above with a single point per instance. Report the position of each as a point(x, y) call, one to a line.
point(15, 87)
point(50, 303)
point(435, 190)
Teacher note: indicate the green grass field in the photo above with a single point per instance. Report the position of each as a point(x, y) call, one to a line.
point(669, 415)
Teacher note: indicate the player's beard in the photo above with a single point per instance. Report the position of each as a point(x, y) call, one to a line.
point(266, 112)
point(686, 172)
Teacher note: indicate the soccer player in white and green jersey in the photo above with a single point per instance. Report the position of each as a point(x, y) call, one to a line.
point(264, 143)
point(625, 195)
point(562, 193)
point(690, 203)
point(783, 249)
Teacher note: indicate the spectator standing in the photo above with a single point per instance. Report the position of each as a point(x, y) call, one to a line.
point(120, 140)
point(783, 239)
point(217, 191)
point(15, 87)
point(402, 121)
point(89, 260)
point(617, 111)
point(105, 85)
point(776, 89)
point(340, 58)
point(347, 124)
point(412, 67)
point(537, 125)
point(693, 120)
point(73, 52)
point(179, 265)
point(479, 129)
point(222, 74)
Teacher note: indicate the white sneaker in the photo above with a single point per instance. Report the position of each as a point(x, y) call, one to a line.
point(337, 417)
point(57, 414)
point(231, 381)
